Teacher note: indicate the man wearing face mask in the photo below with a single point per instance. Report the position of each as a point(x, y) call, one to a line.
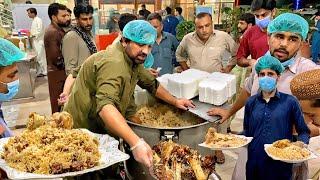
point(58, 15)
point(254, 41)
point(269, 116)
point(9, 82)
point(102, 95)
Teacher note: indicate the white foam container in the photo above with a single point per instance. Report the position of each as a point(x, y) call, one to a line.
point(229, 78)
point(186, 84)
point(213, 92)
point(163, 80)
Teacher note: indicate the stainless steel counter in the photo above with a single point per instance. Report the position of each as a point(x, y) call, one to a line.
point(27, 76)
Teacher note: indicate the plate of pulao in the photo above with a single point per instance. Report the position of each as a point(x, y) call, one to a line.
point(50, 148)
point(286, 151)
point(218, 141)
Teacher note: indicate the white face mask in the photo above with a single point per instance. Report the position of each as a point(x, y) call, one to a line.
point(315, 21)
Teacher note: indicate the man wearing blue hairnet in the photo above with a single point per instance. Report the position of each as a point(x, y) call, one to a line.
point(9, 81)
point(102, 95)
point(269, 116)
point(286, 34)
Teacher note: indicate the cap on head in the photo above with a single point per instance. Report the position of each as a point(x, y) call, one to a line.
point(269, 62)
point(306, 85)
point(9, 53)
point(289, 22)
point(140, 31)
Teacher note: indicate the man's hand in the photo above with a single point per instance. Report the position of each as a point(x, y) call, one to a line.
point(252, 62)
point(184, 104)
point(63, 98)
point(227, 69)
point(153, 72)
point(224, 113)
point(142, 153)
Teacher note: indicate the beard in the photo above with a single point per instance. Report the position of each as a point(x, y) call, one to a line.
point(63, 24)
point(86, 28)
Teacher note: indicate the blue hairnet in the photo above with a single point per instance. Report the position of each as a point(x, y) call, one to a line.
point(269, 62)
point(140, 31)
point(288, 22)
point(9, 53)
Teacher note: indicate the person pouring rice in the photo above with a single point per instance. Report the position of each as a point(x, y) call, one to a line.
point(102, 95)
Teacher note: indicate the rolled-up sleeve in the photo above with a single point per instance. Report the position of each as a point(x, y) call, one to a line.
point(70, 52)
point(147, 81)
point(108, 82)
point(181, 52)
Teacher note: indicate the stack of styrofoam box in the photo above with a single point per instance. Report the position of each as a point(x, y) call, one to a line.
point(163, 80)
point(213, 91)
point(217, 88)
point(186, 84)
point(229, 78)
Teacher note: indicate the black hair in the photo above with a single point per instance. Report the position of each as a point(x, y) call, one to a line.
point(317, 13)
point(248, 18)
point(154, 16)
point(69, 11)
point(141, 12)
point(82, 9)
point(179, 10)
point(169, 10)
point(54, 8)
point(203, 14)
point(32, 10)
point(28, 2)
point(143, 5)
point(263, 4)
point(124, 19)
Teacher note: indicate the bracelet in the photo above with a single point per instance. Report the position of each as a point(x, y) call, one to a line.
point(139, 143)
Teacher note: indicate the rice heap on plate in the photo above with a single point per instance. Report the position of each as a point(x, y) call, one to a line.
point(286, 150)
point(172, 161)
point(160, 115)
point(218, 140)
point(50, 146)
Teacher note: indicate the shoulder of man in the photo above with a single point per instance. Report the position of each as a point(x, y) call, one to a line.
point(305, 64)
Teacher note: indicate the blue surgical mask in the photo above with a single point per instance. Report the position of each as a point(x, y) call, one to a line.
point(263, 23)
point(149, 61)
point(267, 84)
point(288, 62)
point(13, 88)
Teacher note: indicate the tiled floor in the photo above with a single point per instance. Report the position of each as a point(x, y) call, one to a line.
point(41, 105)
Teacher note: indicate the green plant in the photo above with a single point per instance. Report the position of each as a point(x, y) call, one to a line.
point(184, 28)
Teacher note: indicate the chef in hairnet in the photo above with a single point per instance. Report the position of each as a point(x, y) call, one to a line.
point(102, 96)
point(269, 116)
point(9, 81)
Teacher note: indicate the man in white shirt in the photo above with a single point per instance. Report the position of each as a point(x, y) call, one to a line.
point(37, 35)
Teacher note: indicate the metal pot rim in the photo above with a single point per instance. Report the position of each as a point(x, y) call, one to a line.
point(169, 128)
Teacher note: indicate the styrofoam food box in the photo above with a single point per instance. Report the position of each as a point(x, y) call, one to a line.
point(229, 78)
point(213, 91)
point(163, 80)
point(186, 84)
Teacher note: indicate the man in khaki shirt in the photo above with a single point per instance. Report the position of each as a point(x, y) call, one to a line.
point(78, 44)
point(102, 95)
point(205, 48)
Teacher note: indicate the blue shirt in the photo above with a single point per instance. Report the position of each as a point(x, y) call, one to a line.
point(180, 18)
point(169, 24)
point(164, 53)
point(267, 123)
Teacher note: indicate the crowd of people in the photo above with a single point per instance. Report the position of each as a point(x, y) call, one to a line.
point(97, 87)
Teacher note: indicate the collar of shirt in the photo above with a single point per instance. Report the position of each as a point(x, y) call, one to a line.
point(276, 96)
point(57, 27)
point(294, 66)
point(126, 57)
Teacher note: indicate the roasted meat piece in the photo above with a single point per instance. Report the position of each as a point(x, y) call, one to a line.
point(176, 162)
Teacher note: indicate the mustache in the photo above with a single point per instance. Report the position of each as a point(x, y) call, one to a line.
point(142, 54)
point(281, 50)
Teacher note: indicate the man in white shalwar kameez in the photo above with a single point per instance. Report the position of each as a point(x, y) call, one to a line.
point(37, 35)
